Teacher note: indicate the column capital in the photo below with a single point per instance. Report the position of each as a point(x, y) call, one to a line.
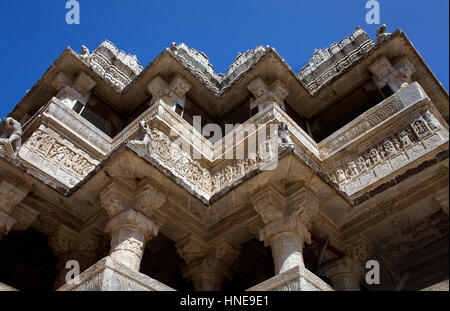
point(131, 219)
point(115, 199)
point(207, 264)
point(360, 249)
point(265, 95)
point(148, 199)
point(345, 273)
point(283, 225)
point(10, 195)
point(169, 93)
point(62, 241)
point(397, 75)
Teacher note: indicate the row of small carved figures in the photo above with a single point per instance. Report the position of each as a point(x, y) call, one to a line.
point(59, 153)
point(391, 146)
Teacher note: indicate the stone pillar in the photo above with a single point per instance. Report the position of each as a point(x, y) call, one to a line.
point(397, 75)
point(286, 221)
point(265, 95)
point(130, 225)
point(208, 265)
point(345, 274)
point(130, 232)
point(86, 249)
point(172, 93)
point(10, 196)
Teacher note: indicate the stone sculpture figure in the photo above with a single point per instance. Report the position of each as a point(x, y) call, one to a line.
point(144, 137)
point(420, 127)
point(11, 136)
point(433, 123)
point(85, 55)
point(389, 147)
point(340, 176)
point(382, 34)
point(284, 138)
point(362, 163)
point(374, 156)
point(352, 170)
point(404, 138)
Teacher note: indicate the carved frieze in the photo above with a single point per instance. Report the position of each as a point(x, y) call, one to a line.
point(389, 154)
point(57, 157)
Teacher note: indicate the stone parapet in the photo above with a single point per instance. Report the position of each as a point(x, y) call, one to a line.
point(295, 279)
point(109, 275)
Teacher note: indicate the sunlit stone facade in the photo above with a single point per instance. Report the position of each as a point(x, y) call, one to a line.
point(113, 165)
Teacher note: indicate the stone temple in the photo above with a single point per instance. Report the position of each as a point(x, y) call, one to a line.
point(171, 177)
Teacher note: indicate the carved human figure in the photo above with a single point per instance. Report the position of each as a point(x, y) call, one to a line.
point(382, 34)
point(404, 138)
point(284, 138)
point(85, 55)
point(397, 144)
point(340, 176)
point(352, 170)
point(144, 137)
point(433, 123)
point(420, 127)
point(362, 163)
point(374, 156)
point(389, 147)
point(11, 136)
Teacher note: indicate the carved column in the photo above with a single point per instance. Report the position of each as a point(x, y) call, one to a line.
point(265, 95)
point(208, 265)
point(286, 224)
point(130, 232)
point(86, 249)
point(10, 196)
point(172, 93)
point(348, 272)
point(130, 226)
point(397, 75)
point(345, 273)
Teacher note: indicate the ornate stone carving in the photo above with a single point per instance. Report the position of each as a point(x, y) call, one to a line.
point(329, 62)
point(130, 232)
point(116, 67)
point(85, 54)
point(6, 223)
point(385, 157)
point(284, 137)
point(144, 137)
point(207, 264)
point(397, 75)
point(382, 34)
point(56, 157)
point(10, 137)
point(345, 274)
point(171, 93)
point(266, 95)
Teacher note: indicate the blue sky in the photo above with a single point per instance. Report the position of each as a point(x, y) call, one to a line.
point(34, 33)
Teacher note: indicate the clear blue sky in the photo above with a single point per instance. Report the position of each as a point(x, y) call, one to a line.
point(34, 33)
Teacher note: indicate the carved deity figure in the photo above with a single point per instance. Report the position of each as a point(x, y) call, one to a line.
point(362, 163)
point(352, 170)
point(340, 176)
point(389, 147)
point(404, 138)
point(85, 55)
point(420, 127)
point(374, 156)
point(382, 34)
point(144, 137)
point(11, 136)
point(433, 123)
point(284, 138)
